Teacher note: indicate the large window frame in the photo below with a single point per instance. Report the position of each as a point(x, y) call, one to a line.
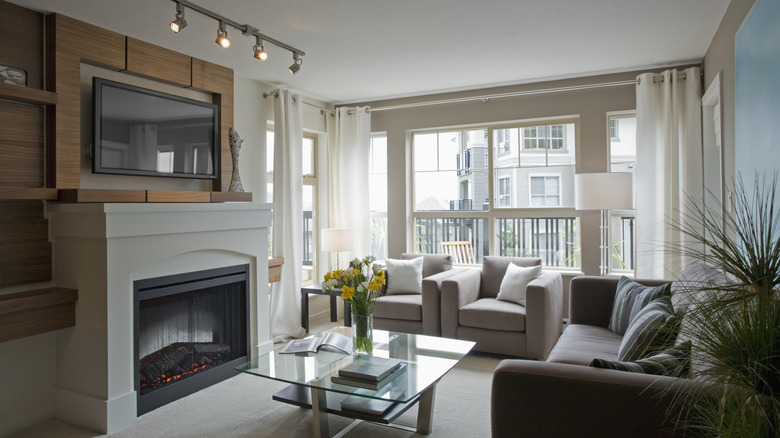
point(311, 227)
point(621, 223)
point(492, 216)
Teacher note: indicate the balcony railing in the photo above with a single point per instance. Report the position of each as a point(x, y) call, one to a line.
point(308, 238)
point(554, 240)
point(430, 232)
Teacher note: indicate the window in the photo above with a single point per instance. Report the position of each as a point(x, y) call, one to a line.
point(506, 189)
point(165, 159)
point(545, 191)
point(622, 158)
point(504, 192)
point(377, 183)
point(309, 197)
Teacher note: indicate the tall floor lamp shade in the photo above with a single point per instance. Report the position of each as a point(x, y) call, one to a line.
point(336, 240)
point(603, 191)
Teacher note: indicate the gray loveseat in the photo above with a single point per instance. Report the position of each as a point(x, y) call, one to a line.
point(564, 397)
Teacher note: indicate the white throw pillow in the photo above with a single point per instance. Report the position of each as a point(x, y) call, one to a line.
point(514, 283)
point(404, 276)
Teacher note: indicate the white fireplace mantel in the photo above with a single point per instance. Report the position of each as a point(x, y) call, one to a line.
point(101, 249)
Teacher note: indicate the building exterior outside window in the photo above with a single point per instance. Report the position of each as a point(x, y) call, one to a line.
point(622, 158)
point(509, 190)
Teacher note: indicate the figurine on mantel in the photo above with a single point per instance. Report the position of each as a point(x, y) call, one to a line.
point(235, 149)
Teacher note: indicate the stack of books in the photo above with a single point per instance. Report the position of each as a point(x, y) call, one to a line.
point(370, 372)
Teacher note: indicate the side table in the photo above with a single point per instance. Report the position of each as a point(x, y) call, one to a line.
point(317, 289)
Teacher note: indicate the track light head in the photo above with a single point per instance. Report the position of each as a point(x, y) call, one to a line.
point(179, 23)
point(259, 50)
point(222, 37)
point(296, 65)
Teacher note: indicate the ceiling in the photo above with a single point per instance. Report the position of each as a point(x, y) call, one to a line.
point(362, 50)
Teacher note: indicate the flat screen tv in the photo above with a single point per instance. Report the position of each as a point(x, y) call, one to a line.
point(143, 132)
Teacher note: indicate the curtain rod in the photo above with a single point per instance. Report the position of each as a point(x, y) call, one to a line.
point(322, 109)
point(486, 98)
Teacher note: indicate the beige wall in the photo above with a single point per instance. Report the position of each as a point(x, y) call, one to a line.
point(720, 59)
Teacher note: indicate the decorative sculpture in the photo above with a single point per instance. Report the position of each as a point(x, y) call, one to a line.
point(235, 149)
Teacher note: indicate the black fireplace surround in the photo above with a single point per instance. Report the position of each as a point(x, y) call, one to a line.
point(191, 330)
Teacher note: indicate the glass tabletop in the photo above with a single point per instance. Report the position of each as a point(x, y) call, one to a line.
point(428, 359)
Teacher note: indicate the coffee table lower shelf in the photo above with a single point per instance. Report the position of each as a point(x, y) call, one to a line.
point(300, 395)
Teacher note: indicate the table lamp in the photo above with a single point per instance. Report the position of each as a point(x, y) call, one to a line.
point(603, 191)
point(336, 240)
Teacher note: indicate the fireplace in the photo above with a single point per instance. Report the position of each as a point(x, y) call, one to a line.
point(103, 250)
point(190, 331)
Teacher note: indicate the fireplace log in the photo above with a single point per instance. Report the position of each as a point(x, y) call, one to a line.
point(168, 362)
point(212, 350)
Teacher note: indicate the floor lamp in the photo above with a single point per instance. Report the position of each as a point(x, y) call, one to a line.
point(603, 191)
point(336, 240)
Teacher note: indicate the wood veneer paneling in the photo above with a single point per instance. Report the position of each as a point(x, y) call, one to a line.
point(21, 34)
point(68, 43)
point(17, 93)
point(37, 311)
point(177, 196)
point(21, 145)
point(231, 197)
point(25, 251)
point(158, 63)
point(218, 80)
point(98, 195)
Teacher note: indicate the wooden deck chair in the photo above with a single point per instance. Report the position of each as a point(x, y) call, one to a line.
point(461, 251)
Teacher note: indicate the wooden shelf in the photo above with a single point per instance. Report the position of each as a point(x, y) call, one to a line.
point(231, 197)
point(173, 196)
point(19, 93)
point(27, 193)
point(36, 311)
point(97, 195)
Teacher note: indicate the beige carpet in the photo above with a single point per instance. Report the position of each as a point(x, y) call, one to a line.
point(242, 407)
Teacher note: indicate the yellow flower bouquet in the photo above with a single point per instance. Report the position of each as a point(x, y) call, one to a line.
point(361, 285)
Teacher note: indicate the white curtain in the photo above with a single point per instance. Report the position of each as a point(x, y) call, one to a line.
point(288, 216)
point(349, 140)
point(669, 165)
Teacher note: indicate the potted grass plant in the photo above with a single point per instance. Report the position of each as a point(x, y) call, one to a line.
point(736, 325)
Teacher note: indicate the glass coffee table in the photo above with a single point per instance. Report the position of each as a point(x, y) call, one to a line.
point(428, 359)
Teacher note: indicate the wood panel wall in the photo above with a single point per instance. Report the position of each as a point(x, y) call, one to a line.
point(25, 251)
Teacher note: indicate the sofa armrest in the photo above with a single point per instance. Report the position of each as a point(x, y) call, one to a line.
point(591, 299)
point(457, 291)
point(431, 301)
point(543, 313)
point(533, 399)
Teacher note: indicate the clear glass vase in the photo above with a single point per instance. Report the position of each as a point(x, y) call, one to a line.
point(362, 334)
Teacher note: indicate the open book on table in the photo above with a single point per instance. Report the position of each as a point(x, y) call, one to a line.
point(312, 345)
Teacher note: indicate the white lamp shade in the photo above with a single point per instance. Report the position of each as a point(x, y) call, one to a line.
point(603, 191)
point(336, 239)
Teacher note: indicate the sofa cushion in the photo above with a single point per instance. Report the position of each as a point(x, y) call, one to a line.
point(630, 298)
point(648, 331)
point(432, 263)
point(580, 344)
point(693, 283)
point(404, 276)
point(671, 362)
point(494, 268)
point(489, 313)
point(408, 307)
point(515, 280)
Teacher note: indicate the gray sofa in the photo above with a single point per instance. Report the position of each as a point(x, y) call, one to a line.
point(564, 397)
point(413, 312)
point(470, 310)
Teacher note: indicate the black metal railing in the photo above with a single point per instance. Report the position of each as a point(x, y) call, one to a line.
point(430, 232)
point(308, 238)
point(553, 239)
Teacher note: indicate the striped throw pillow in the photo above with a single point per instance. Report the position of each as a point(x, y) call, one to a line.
point(672, 362)
point(649, 331)
point(630, 298)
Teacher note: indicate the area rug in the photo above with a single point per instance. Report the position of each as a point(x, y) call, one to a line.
point(242, 407)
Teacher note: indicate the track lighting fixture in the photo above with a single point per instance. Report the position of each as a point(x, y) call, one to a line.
point(259, 50)
point(179, 23)
point(222, 38)
point(296, 65)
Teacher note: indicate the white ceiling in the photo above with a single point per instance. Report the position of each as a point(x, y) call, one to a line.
point(361, 50)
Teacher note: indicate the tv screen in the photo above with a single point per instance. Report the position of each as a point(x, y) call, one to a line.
point(144, 132)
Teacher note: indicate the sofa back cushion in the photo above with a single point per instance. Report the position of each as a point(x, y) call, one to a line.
point(650, 331)
point(494, 268)
point(404, 276)
point(432, 263)
point(630, 298)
